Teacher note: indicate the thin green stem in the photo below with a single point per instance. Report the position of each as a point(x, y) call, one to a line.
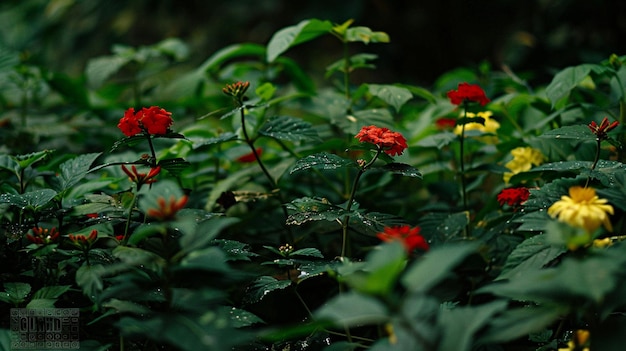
point(595, 160)
point(462, 159)
point(355, 185)
point(128, 219)
point(152, 152)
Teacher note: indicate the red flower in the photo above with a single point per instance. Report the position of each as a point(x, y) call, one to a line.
point(153, 120)
point(392, 143)
point(468, 92)
point(236, 90)
point(250, 157)
point(513, 197)
point(445, 123)
point(167, 208)
point(141, 178)
point(42, 236)
point(410, 237)
point(83, 241)
point(601, 130)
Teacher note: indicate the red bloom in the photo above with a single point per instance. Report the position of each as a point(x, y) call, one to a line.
point(468, 92)
point(43, 236)
point(141, 178)
point(153, 120)
point(392, 143)
point(445, 123)
point(601, 130)
point(84, 241)
point(513, 197)
point(167, 208)
point(250, 157)
point(410, 237)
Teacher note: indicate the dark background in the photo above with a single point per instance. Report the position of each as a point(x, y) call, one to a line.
point(427, 37)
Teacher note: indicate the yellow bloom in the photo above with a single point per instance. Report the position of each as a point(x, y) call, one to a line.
point(523, 160)
point(582, 209)
point(580, 341)
point(490, 126)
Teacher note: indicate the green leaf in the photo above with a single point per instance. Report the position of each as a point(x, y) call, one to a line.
point(89, 278)
point(459, 324)
point(101, 68)
point(532, 254)
point(235, 250)
point(322, 160)
point(289, 128)
point(393, 95)
point(402, 169)
point(565, 81)
point(356, 61)
point(291, 36)
point(175, 165)
point(32, 199)
point(365, 35)
point(205, 233)
point(381, 270)
point(135, 256)
point(210, 259)
point(439, 140)
point(578, 132)
point(435, 266)
point(75, 169)
point(263, 286)
point(308, 252)
point(224, 137)
point(352, 309)
point(15, 292)
point(308, 209)
point(265, 91)
point(518, 322)
point(231, 52)
point(10, 164)
point(28, 160)
point(41, 303)
point(121, 306)
point(51, 292)
point(241, 318)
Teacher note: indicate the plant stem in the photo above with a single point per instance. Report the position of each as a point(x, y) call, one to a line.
point(152, 152)
point(462, 158)
point(355, 185)
point(595, 160)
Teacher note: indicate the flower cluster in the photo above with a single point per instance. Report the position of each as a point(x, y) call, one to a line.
point(141, 178)
point(582, 209)
point(84, 242)
point(489, 125)
point(153, 120)
point(236, 90)
point(601, 130)
point(392, 143)
point(523, 160)
point(513, 197)
point(409, 237)
point(43, 236)
point(468, 92)
point(167, 208)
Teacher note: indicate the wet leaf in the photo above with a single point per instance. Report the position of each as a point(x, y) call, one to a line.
point(322, 160)
point(289, 128)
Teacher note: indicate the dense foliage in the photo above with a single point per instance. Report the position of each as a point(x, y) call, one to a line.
point(245, 205)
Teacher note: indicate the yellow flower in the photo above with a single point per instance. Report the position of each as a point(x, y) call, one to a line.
point(580, 341)
point(490, 126)
point(523, 160)
point(582, 209)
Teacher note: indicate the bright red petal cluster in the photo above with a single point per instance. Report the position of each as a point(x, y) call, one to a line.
point(513, 197)
point(601, 130)
point(409, 237)
point(392, 143)
point(153, 120)
point(469, 92)
point(250, 157)
point(445, 123)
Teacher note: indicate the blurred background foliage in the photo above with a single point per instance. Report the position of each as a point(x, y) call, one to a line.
point(427, 37)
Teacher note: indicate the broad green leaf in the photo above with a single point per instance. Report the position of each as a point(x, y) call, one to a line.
point(438, 140)
point(51, 292)
point(454, 224)
point(516, 323)
point(265, 91)
point(365, 35)
point(224, 137)
point(32, 199)
point(241, 318)
point(393, 95)
point(309, 252)
point(235, 250)
point(459, 324)
point(28, 160)
point(15, 292)
point(10, 164)
point(209, 259)
point(357, 61)
point(579, 132)
point(263, 286)
point(173, 47)
point(565, 81)
point(205, 232)
point(175, 165)
point(135, 256)
point(532, 254)
point(374, 222)
point(289, 128)
point(99, 69)
point(41, 303)
point(228, 53)
point(381, 270)
point(312, 209)
point(291, 36)
point(435, 266)
point(73, 170)
point(352, 309)
point(122, 306)
point(89, 278)
point(322, 160)
point(72, 89)
point(402, 169)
